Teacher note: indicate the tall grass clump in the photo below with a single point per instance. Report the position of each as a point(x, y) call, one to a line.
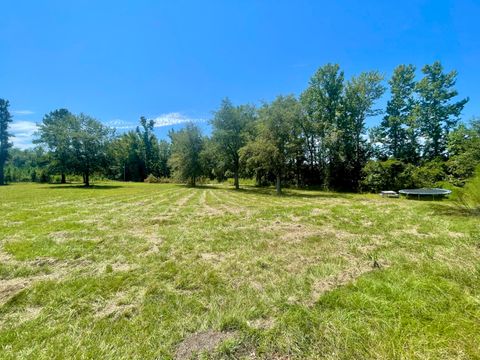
point(469, 196)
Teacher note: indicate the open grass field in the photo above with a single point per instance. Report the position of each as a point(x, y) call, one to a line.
point(147, 271)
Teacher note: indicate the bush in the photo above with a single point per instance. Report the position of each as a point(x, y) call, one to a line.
point(461, 167)
point(430, 174)
point(158, 180)
point(44, 176)
point(395, 175)
point(386, 175)
point(151, 179)
point(468, 197)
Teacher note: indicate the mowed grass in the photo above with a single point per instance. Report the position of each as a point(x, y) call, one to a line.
point(150, 271)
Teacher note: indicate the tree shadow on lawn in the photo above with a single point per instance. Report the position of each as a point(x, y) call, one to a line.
point(455, 210)
point(81, 186)
point(270, 191)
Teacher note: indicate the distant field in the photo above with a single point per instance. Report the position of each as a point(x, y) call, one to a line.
point(150, 271)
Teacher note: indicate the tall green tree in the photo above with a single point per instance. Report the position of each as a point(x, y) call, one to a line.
point(275, 147)
point(398, 129)
point(55, 132)
point(90, 139)
point(360, 96)
point(438, 112)
point(5, 144)
point(230, 125)
point(321, 104)
point(164, 153)
point(149, 142)
point(185, 160)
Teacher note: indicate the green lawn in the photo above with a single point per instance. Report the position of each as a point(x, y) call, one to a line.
point(151, 271)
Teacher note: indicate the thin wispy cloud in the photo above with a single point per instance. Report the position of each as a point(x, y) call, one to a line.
point(23, 132)
point(120, 124)
point(175, 118)
point(23, 112)
point(167, 119)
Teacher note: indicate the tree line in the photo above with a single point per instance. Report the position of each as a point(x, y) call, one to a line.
point(319, 138)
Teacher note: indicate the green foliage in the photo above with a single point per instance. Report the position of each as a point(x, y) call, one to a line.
point(56, 134)
point(387, 175)
point(321, 105)
point(275, 146)
point(230, 133)
point(76, 143)
point(430, 174)
point(5, 144)
point(398, 132)
point(185, 161)
point(318, 140)
point(89, 139)
point(151, 179)
point(464, 151)
point(468, 197)
point(438, 115)
point(360, 96)
point(136, 154)
point(27, 165)
point(395, 175)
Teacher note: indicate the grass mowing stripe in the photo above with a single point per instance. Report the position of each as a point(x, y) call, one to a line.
point(127, 270)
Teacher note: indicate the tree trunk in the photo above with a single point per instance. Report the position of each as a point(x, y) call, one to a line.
point(2, 175)
point(193, 181)
point(279, 184)
point(64, 179)
point(86, 178)
point(236, 183)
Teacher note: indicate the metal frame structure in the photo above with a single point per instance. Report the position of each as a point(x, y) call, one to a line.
point(440, 193)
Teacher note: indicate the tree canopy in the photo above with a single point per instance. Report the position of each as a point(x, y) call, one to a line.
point(319, 138)
point(5, 144)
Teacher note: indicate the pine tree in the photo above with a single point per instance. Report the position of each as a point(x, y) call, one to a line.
point(397, 129)
point(438, 114)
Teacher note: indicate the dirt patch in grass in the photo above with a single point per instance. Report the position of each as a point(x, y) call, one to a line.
point(201, 342)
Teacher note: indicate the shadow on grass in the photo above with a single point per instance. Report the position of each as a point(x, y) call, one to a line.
point(270, 191)
point(455, 210)
point(81, 186)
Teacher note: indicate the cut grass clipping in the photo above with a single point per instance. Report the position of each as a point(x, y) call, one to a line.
point(157, 271)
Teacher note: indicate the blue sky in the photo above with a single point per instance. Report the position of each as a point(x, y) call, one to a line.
point(175, 60)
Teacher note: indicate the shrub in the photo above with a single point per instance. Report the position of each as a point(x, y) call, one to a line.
point(385, 175)
point(151, 179)
point(158, 180)
point(468, 197)
point(430, 174)
point(461, 167)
